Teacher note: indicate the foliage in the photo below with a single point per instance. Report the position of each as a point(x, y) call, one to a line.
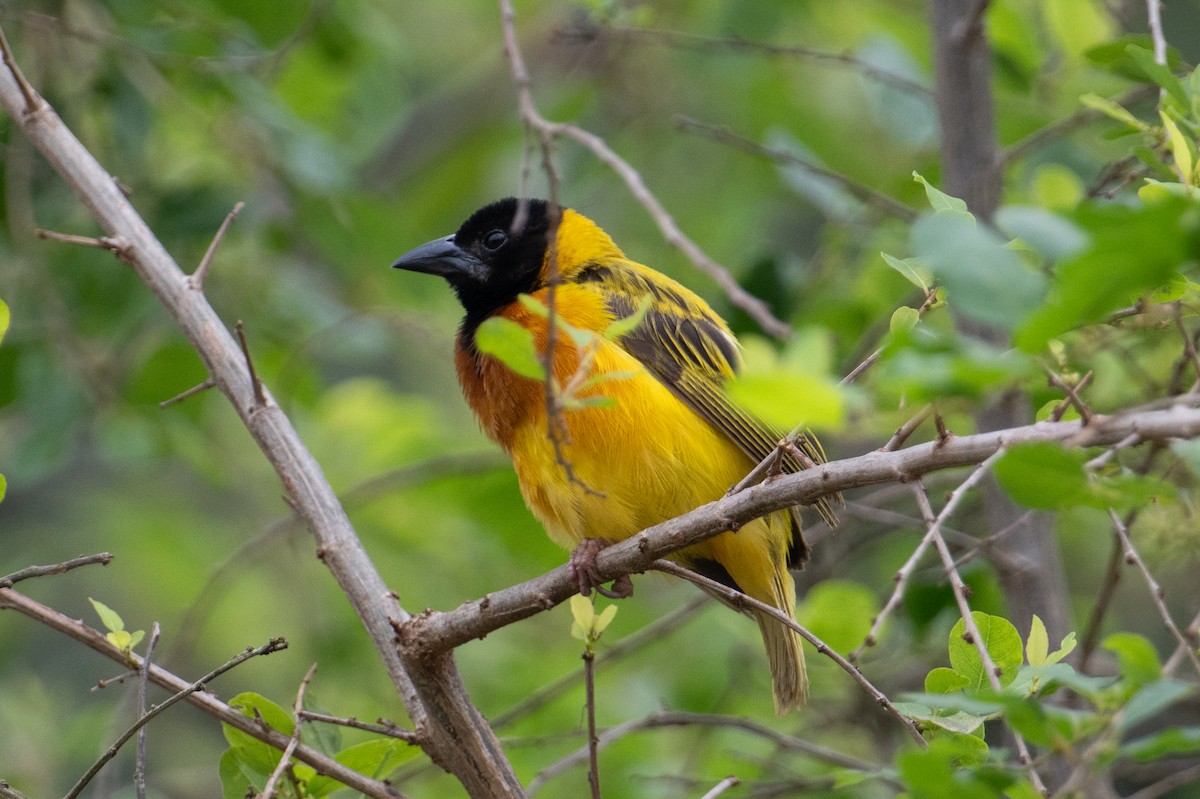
point(353, 130)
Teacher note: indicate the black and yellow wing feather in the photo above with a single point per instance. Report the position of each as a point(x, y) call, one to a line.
point(691, 351)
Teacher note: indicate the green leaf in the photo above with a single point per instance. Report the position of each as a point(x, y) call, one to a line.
point(939, 200)
point(984, 280)
point(913, 270)
point(108, 617)
point(604, 619)
point(1135, 249)
point(1182, 149)
point(1159, 73)
point(121, 639)
point(1151, 700)
point(1117, 112)
point(534, 305)
point(511, 344)
point(1037, 646)
point(3, 487)
point(626, 324)
point(1002, 642)
point(583, 614)
point(951, 719)
point(1171, 741)
point(1138, 661)
point(944, 681)
point(786, 398)
point(904, 318)
point(1043, 476)
point(1066, 647)
point(5, 319)
point(839, 612)
point(235, 784)
point(1049, 234)
point(375, 758)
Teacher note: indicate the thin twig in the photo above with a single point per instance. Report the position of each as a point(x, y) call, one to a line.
point(274, 645)
point(961, 591)
point(1189, 345)
point(859, 191)
point(656, 631)
point(905, 572)
point(33, 102)
point(1057, 413)
point(734, 44)
point(904, 431)
point(739, 600)
point(139, 769)
point(873, 358)
point(721, 787)
point(753, 306)
point(670, 718)
point(1154, 21)
point(113, 244)
point(9, 580)
point(1085, 413)
point(196, 279)
point(260, 396)
point(285, 760)
point(1080, 118)
point(191, 392)
point(383, 727)
point(593, 742)
point(1157, 593)
point(1192, 632)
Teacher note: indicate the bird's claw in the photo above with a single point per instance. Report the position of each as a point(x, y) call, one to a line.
point(582, 568)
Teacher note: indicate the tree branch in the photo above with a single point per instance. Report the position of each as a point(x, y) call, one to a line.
point(456, 737)
point(436, 632)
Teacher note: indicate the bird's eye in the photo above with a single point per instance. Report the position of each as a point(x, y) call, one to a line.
point(494, 240)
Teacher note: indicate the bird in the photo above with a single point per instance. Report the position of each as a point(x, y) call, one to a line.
point(648, 433)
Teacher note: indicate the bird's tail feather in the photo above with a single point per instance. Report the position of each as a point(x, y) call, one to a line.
point(789, 677)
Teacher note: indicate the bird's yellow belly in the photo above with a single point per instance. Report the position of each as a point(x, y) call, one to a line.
point(637, 462)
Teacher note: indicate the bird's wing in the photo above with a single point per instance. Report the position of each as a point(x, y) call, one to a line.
point(682, 343)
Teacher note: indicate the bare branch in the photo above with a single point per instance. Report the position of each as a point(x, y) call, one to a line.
point(139, 770)
point(285, 760)
point(740, 600)
point(196, 279)
point(195, 693)
point(457, 737)
point(437, 632)
point(860, 191)
point(721, 787)
point(273, 646)
point(1156, 591)
point(934, 528)
point(9, 580)
point(384, 727)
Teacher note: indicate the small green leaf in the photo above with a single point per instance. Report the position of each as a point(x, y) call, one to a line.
point(1159, 73)
point(1043, 476)
point(839, 612)
point(1037, 646)
point(1065, 648)
point(604, 619)
point(984, 280)
point(626, 324)
point(1138, 661)
point(939, 200)
point(944, 681)
point(3, 487)
point(1002, 642)
point(904, 318)
point(1171, 741)
point(121, 639)
point(1150, 700)
point(912, 269)
point(534, 305)
point(5, 319)
point(1111, 109)
point(511, 344)
point(583, 614)
point(135, 638)
point(108, 617)
point(1181, 149)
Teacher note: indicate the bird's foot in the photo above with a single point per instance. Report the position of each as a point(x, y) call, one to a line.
point(582, 567)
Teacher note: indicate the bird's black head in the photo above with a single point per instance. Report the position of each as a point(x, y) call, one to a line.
point(497, 254)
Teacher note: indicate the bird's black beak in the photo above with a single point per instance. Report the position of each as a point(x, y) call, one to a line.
point(445, 258)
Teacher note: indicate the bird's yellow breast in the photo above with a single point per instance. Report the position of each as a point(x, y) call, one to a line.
point(641, 459)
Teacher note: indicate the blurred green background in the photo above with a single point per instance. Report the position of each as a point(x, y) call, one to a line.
point(357, 129)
